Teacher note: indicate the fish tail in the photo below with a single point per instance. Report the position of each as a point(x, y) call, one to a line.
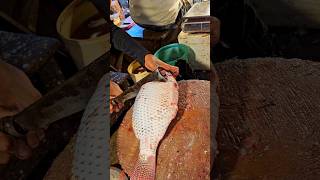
point(145, 169)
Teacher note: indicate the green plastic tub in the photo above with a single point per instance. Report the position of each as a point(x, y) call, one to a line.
point(173, 52)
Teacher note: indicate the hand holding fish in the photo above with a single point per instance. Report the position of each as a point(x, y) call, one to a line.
point(153, 63)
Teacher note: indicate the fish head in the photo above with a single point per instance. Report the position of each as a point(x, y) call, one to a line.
point(166, 75)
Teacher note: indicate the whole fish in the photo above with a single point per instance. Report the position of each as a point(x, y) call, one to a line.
point(156, 105)
point(185, 151)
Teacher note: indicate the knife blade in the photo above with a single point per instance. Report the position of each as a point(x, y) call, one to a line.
point(70, 97)
point(132, 91)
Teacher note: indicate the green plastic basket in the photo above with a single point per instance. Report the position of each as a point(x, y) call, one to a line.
point(173, 52)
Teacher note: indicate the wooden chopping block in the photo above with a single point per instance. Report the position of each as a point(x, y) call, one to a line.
point(184, 152)
point(61, 167)
point(269, 124)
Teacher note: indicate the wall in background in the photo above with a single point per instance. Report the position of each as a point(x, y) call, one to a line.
point(291, 13)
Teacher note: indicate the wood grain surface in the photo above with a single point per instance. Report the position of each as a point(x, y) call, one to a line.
point(269, 119)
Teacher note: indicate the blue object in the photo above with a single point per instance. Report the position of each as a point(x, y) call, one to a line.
point(136, 31)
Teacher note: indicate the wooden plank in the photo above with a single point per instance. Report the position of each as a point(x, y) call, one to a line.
point(21, 12)
point(14, 22)
point(7, 7)
point(28, 14)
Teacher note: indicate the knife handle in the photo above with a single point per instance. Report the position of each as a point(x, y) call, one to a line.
point(8, 126)
point(132, 91)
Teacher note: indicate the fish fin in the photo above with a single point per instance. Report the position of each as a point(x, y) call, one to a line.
point(144, 169)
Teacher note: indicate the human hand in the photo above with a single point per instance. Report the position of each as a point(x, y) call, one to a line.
point(22, 149)
point(152, 63)
point(115, 91)
point(16, 94)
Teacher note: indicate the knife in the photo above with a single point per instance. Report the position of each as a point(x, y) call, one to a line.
point(70, 97)
point(132, 91)
point(19, 125)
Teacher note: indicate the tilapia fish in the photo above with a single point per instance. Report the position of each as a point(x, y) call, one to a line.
point(156, 105)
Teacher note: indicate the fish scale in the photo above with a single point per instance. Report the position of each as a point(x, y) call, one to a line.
point(154, 108)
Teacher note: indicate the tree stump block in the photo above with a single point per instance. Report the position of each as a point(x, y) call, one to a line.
point(61, 168)
point(184, 152)
point(269, 119)
point(198, 117)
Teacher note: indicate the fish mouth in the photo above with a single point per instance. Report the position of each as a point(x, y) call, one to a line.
point(166, 74)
